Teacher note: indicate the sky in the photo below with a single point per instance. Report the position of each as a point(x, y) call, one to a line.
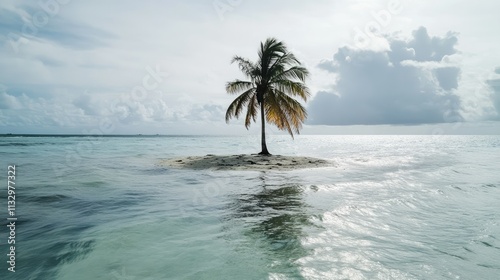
point(160, 67)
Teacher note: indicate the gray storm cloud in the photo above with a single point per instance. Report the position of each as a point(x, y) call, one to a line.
point(412, 82)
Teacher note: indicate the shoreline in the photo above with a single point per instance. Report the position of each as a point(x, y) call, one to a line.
point(252, 162)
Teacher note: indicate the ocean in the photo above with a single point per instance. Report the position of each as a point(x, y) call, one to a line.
point(390, 207)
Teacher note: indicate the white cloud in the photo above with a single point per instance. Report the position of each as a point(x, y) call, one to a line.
point(8, 101)
point(87, 112)
point(414, 82)
point(447, 61)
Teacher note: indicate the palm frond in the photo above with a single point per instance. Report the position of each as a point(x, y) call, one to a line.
point(286, 59)
point(276, 115)
point(292, 88)
point(293, 73)
point(269, 52)
point(285, 112)
point(238, 86)
point(237, 105)
point(246, 66)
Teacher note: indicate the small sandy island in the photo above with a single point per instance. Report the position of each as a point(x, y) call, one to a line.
point(246, 162)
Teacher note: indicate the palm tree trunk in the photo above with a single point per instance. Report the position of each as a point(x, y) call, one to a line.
point(263, 137)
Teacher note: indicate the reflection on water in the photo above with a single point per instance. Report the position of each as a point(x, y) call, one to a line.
point(274, 219)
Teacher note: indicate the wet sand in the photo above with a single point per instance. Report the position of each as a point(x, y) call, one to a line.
point(246, 162)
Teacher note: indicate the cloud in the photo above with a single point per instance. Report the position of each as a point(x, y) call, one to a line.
point(8, 101)
point(42, 21)
point(448, 77)
point(207, 112)
point(92, 110)
point(432, 48)
point(413, 82)
point(25, 111)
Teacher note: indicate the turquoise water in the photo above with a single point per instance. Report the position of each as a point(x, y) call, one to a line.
point(392, 207)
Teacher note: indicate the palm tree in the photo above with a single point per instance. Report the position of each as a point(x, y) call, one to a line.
point(274, 80)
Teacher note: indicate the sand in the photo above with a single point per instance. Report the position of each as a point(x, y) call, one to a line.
point(246, 162)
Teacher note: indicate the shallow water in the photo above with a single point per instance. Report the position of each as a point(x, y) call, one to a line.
point(393, 207)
